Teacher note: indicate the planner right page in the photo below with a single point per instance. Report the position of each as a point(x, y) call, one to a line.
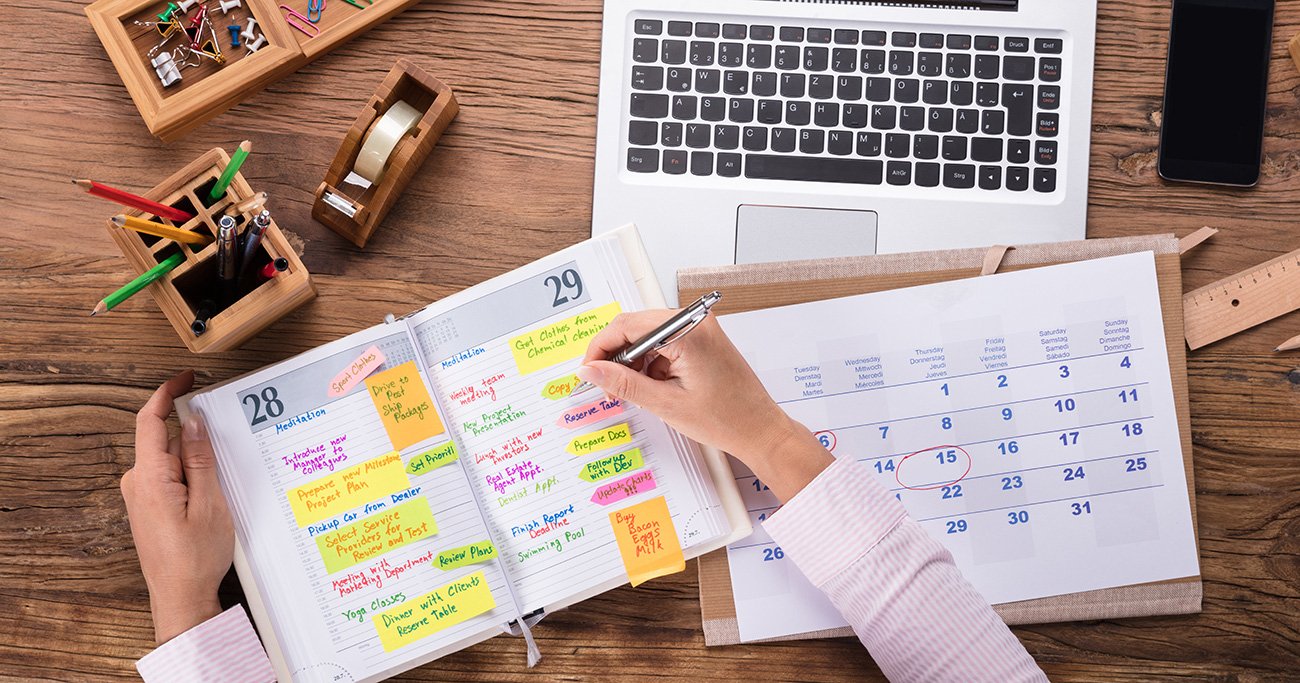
point(1026, 420)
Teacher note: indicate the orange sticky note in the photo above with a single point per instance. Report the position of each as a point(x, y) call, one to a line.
point(404, 405)
point(647, 540)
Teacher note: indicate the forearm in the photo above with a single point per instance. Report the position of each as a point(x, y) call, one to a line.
point(786, 457)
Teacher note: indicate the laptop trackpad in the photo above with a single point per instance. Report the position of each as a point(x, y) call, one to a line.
point(785, 233)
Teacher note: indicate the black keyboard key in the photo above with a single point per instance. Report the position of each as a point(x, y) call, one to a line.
point(798, 113)
point(701, 163)
point(791, 34)
point(925, 146)
point(793, 85)
point(986, 150)
point(685, 107)
point(1048, 46)
point(812, 141)
point(934, 92)
point(846, 36)
point(958, 65)
point(959, 176)
point(967, 121)
point(1048, 125)
point(1015, 44)
point(940, 120)
point(770, 111)
point(735, 83)
point(1018, 68)
point(649, 27)
point(708, 81)
point(670, 135)
point(873, 61)
point(930, 41)
point(742, 110)
point(821, 86)
point(986, 43)
point(1018, 99)
point(817, 169)
point(726, 137)
point(873, 38)
point(819, 35)
point(762, 32)
point(787, 57)
point(878, 89)
point(645, 50)
point(848, 88)
point(731, 55)
point(962, 93)
point(911, 118)
point(986, 94)
point(868, 144)
point(929, 64)
point(826, 114)
point(855, 116)
point(954, 148)
point(1018, 151)
point(754, 139)
point(643, 133)
point(900, 63)
point(883, 116)
point(1045, 152)
point(784, 139)
point(899, 173)
point(993, 122)
point(678, 78)
point(706, 29)
point(844, 60)
point(927, 174)
point(839, 142)
point(647, 106)
point(1049, 96)
point(1017, 178)
point(680, 28)
point(907, 90)
point(764, 83)
point(903, 39)
point(990, 177)
point(647, 77)
point(898, 145)
point(1049, 69)
point(699, 135)
point(759, 56)
point(713, 108)
point(816, 58)
point(1044, 180)
point(642, 160)
point(986, 66)
point(729, 165)
point(676, 161)
point(733, 31)
point(701, 52)
point(673, 52)
point(958, 41)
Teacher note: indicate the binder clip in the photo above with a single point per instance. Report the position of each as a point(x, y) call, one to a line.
point(165, 66)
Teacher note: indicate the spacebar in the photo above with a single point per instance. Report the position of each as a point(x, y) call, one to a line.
point(772, 167)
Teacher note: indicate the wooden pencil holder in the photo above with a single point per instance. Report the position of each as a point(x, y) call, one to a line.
point(181, 292)
point(354, 211)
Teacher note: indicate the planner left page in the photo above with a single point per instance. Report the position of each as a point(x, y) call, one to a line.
point(361, 532)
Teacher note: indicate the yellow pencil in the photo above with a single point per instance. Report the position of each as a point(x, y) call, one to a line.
point(159, 230)
point(1289, 345)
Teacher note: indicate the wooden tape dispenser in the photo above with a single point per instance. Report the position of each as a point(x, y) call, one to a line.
point(383, 149)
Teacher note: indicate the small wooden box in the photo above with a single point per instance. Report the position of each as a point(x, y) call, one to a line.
point(182, 290)
point(355, 213)
point(209, 89)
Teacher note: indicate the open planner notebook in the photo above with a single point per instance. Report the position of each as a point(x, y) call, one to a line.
point(424, 484)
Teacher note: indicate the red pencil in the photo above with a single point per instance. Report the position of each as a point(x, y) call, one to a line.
point(134, 201)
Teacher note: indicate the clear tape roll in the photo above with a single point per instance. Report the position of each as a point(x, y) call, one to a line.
point(382, 139)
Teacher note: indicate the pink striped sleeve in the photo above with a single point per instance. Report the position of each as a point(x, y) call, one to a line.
point(898, 588)
point(222, 649)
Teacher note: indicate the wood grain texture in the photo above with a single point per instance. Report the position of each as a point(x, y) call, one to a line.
point(509, 182)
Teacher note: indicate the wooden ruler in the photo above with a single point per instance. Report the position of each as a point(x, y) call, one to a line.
point(1242, 301)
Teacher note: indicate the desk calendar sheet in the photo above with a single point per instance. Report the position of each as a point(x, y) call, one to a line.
point(405, 491)
point(1026, 420)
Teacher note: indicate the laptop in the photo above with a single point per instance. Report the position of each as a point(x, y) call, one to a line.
point(745, 131)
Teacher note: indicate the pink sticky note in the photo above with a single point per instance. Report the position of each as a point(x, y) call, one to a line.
point(622, 489)
point(590, 412)
point(357, 370)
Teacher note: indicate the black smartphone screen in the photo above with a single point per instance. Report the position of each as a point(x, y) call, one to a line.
point(1215, 85)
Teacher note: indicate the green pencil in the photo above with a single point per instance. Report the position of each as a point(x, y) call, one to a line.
point(236, 160)
point(112, 300)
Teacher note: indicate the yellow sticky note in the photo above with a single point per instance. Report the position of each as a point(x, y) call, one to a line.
point(389, 529)
point(466, 554)
point(600, 439)
point(647, 540)
point(346, 489)
point(433, 458)
point(439, 609)
point(560, 341)
point(404, 405)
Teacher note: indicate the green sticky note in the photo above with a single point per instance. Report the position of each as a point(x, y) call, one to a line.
point(467, 554)
point(610, 465)
point(433, 458)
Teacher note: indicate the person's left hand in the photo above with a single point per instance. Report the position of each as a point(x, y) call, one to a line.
point(179, 520)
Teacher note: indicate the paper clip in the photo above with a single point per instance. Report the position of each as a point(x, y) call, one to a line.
point(314, 8)
point(300, 22)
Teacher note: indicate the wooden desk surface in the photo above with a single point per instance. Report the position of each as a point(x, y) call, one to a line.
point(510, 182)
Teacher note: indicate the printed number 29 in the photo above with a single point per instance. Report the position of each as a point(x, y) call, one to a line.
point(568, 286)
point(274, 406)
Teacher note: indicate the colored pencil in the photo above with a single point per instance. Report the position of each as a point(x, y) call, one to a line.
point(236, 160)
point(112, 300)
point(160, 230)
point(134, 201)
point(1289, 345)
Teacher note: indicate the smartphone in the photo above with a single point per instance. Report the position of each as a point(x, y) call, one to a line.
point(1216, 81)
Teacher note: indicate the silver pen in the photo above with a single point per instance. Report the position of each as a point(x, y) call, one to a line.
point(673, 329)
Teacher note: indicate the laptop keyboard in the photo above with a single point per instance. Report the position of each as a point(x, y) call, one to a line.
point(845, 105)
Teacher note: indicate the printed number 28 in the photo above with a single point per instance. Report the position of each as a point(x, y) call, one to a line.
point(274, 406)
point(568, 287)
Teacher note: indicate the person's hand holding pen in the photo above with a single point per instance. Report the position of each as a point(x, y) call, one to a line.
point(702, 387)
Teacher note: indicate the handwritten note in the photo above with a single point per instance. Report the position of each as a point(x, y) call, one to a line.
point(647, 540)
point(592, 412)
point(624, 488)
point(610, 465)
point(369, 361)
point(560, 341)
point(600, 439)
point(404, 405)
point(440, 608)
point(349, 488)
point(557, 389)
point(433, 458)
point(467, 554)
point(373, 536)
